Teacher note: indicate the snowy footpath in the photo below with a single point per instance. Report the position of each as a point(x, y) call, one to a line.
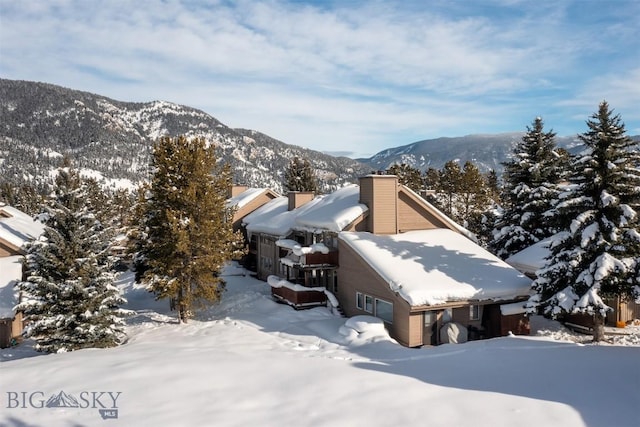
point(249, 361)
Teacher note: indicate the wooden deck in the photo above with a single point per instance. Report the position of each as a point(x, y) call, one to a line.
point(299, 299)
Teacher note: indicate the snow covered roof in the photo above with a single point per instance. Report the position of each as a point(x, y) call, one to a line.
point(331, 212)
point(429, 267)
point(10, 274)
point(17, 228)
point(269, 218)
point(531, 259)
point(245, 197)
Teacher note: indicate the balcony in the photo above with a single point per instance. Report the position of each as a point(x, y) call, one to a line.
point(295, 295)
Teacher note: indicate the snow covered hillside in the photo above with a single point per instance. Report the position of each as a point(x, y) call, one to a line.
point(251, 361)
point(111, 140)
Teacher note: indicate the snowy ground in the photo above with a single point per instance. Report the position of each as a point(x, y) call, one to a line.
point(250, 361)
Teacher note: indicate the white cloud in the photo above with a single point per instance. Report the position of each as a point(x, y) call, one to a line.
point(360, 74)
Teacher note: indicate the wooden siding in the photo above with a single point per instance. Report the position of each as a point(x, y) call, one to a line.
point(460, 315)
point(8, 249)
point(235, 190)
point(413, 214)
point(623, 311)
point(10, 328)
point(627, 312)
point(380, 194)
point(517, 324)
point(5, 332)
point(299, 198)
point(416, 325)
point(268, 259)
point(355, 275)
point(497, 325)
point(360, 224)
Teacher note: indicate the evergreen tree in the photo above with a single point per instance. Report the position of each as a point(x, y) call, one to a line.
point(25, 197)
point(461, 193)
point(407, 175)
point(595, 256)
point(474, 194)
point(449, 186)
point(431, 179)
point(185, 227)
point(69, 299)
point(493, 185)
point(530, 188)
point(300, 176)
point(473, 202)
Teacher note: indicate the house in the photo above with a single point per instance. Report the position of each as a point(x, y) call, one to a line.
point(378, 248)
point(16, 228)
point(531, 259)
point(296, 238)
point(10, 321)
point(418, 270)
point(244, 200)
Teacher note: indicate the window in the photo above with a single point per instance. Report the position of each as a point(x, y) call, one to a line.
point(331, 242)
point(368, 304)
point(474, 312)
point(429, 318)
point(378, 307)
point(384, 310)
point(267, 263)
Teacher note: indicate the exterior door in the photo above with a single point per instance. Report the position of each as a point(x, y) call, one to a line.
point(430, 328)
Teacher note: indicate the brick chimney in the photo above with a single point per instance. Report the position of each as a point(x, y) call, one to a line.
point(299, 198)
point(380, 194)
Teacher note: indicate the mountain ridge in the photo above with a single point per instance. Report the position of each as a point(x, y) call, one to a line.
point(111, 140)
point(487, 151)
point(44, 122)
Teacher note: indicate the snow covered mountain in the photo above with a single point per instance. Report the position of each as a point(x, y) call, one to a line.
point(41, 123)
point(111, 140)
point(486, 151)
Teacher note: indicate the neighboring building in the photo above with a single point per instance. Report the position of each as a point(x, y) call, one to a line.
point(16, 229)
point(533, 258)
point(245, 200)
point(383, 250)
point(313, 224)
point(10, 321)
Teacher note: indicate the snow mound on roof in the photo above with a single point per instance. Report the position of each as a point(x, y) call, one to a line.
point(245, 197)
point(332, 212)
point(300, 250)
point(270, 217)
point(18, 228)
point(533, 258)
point(430, 267)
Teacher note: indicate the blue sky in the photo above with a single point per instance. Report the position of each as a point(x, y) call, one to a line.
point(348, 77)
